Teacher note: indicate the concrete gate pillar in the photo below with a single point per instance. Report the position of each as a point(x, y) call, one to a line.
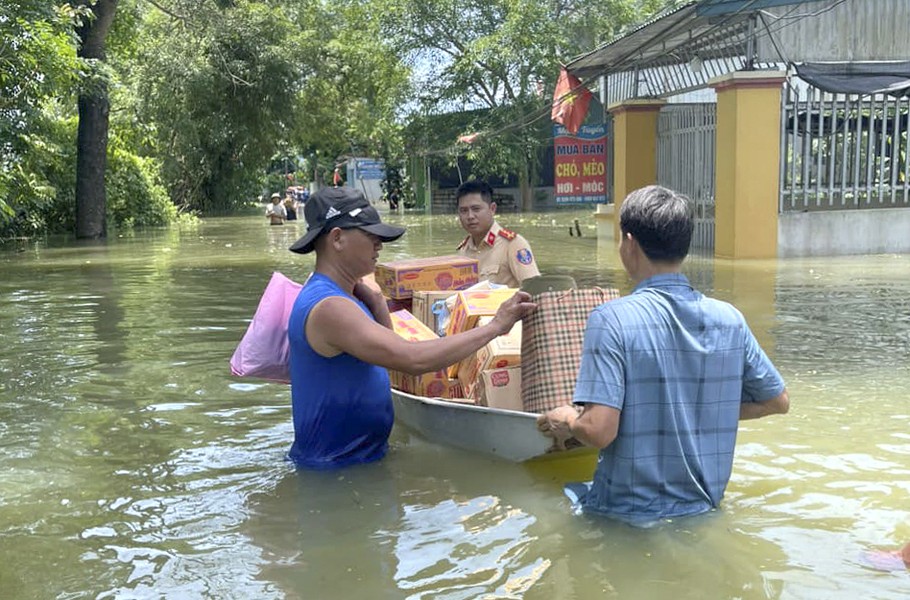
point(747, 166)
point(634, 149)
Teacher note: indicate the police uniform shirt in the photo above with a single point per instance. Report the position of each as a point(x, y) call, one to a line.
point(504, 256)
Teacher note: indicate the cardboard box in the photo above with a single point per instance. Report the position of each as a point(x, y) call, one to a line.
point(410, 328)
point(432, 385)
point(422, 306)
point(470, 387)
point(501, 388)
point(500, 353)
point(436, 384)
point(470, 306)
point(396, 305)
point(401, 278)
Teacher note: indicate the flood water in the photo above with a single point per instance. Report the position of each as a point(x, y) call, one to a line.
point(132, 465)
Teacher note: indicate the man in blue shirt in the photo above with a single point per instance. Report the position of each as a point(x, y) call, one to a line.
point(666, 374)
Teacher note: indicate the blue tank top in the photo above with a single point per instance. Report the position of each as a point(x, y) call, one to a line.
point(342, 406)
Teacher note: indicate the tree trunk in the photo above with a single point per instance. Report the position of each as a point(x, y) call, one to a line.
point(524, 185)
point(94, 113)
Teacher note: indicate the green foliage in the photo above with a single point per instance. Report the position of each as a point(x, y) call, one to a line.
point(37, 63)
point(46, 202)
point(135, 195)
point(504, 56)
point(218, 95)
point(361, 82)
point(206, 93)
point(218, 90)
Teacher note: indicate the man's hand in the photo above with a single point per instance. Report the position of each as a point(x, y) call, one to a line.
point(513, 310)
point(557, 424)
point(367, 291)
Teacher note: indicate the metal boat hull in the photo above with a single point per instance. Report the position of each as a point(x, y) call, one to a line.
point(506, 434)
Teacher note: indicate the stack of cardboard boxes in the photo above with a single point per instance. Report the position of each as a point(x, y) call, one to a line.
point(489, 377)
point(404, 282)
point(492, 375)
point(434, 385)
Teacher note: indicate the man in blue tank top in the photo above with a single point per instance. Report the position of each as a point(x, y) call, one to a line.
point(341, 337)
point(666, 374)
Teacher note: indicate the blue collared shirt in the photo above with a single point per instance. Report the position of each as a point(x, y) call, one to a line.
point(677, 364)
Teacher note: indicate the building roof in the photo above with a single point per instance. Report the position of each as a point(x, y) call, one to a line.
point(708, 29)
point(674, 37)
point(683, 48)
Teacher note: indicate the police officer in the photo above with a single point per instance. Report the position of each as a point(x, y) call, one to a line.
point(505, 257)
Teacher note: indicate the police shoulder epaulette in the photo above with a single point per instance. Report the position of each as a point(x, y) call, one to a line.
point(509, 235)
point(463, 243)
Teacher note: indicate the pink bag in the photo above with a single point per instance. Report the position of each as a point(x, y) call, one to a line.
point(264, 351)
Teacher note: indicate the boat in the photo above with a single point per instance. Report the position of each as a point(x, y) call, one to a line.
point(505, 434)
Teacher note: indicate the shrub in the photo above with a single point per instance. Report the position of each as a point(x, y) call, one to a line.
point(135, 195)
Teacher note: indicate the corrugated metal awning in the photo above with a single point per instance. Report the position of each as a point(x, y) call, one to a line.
point(708, 29)
point(672, 38)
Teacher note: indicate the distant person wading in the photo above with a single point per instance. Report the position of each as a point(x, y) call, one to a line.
point(276, 213)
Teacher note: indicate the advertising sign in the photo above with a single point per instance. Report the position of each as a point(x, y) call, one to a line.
point(370, 169)
point(581, 164)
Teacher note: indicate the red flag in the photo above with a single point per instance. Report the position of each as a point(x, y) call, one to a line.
point(570, 101)
point(469, 138)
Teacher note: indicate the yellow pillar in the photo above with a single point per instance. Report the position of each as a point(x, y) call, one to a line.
point(748, 164)
point(750, 285)
point(634, 149)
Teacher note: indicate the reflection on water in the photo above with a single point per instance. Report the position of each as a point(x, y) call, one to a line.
point(133, 465)
point(462, 550)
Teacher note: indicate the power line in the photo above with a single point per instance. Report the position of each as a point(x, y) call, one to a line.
point(715, 28)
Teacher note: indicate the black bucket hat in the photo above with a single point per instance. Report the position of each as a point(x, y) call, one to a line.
point(342, 207)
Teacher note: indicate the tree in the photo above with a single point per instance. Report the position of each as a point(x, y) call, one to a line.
point(504, 57)
point(226, 89)
point(37, 66)
point(349, 104)
point(94, 115)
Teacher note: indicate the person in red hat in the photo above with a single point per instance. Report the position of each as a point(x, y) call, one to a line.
point(341, 339)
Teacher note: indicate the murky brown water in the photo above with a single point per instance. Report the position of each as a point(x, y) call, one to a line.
point(134, 466)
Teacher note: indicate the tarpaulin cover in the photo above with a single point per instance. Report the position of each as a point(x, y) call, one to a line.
point(891, 77)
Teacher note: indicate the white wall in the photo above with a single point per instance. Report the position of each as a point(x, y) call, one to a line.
point(840, 232)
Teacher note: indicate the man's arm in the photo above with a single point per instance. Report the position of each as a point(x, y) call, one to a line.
point(597, 425)
point(761, 380)
point(522, 261)
point(778, 405)
point(337, 324)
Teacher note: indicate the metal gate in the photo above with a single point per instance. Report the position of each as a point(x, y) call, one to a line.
point(843, 151)
point(685, 161)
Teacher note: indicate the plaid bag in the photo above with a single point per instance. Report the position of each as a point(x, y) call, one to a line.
point(551, 344)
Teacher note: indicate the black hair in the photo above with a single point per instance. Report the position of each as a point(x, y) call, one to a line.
point(660, 220)
point(475, 186)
